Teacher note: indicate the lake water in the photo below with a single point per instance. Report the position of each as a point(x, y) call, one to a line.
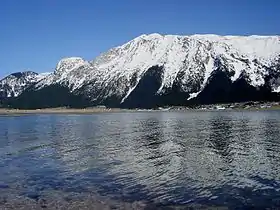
point(220, 158)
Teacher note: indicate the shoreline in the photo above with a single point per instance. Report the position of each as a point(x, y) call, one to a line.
point(4, 111)
point(242, 106)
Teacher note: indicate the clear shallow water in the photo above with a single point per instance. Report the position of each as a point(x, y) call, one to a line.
point(212, 158)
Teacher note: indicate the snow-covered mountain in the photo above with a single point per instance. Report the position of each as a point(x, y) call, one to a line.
point(159, 69)
point(14, 84)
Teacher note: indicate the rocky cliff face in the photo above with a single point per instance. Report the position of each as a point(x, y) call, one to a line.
point(155, 70)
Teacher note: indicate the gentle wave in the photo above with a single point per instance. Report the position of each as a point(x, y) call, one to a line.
point(217, 158)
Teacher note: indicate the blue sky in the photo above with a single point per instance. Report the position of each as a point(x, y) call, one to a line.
point(36, 34)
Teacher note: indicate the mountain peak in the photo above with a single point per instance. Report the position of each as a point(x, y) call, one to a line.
point(23, 74)
point(67, 64)
point(150, 36)
point(69, 60)
point(14, 84)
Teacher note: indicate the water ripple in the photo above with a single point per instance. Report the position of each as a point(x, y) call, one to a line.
point(217, 158)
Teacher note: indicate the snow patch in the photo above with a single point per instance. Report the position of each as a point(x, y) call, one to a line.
point(193, 95)
point(276, 90)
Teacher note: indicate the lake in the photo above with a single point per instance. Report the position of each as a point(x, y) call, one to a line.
point(215, 158)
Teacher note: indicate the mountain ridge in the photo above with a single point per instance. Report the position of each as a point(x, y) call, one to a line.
point(182, 65)
point(14, 84)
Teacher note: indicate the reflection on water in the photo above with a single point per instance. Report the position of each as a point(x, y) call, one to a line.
point(213, 158)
